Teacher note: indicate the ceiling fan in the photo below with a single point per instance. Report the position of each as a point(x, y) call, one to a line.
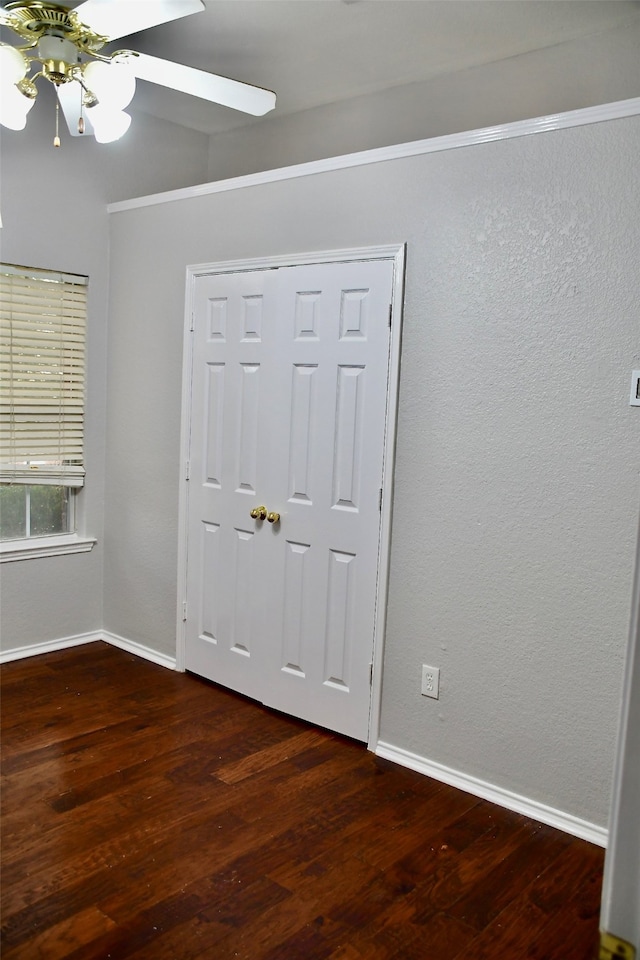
point(64, 46)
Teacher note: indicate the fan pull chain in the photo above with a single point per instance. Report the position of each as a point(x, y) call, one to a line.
point(81, 117)
point(56, 139)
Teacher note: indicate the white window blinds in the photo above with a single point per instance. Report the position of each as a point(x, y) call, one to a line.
point(42, 331)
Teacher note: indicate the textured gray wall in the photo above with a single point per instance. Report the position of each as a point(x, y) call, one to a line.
point(53, 204)
point(517, 459)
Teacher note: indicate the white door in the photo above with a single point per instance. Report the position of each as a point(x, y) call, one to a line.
point(288, 411)
point(620, 911)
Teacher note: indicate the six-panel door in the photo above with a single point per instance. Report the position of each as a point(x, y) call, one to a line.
point(289, 392)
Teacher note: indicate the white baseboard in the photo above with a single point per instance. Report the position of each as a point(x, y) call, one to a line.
point(139, 650)
point(498, 795)
point(48, 646)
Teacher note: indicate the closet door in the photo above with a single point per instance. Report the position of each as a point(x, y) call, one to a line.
point(227, 558)
point(289, 394)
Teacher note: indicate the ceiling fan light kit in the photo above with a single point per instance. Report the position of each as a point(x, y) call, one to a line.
point(63, 47)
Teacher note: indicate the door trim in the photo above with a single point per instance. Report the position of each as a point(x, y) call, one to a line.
point(395, 253)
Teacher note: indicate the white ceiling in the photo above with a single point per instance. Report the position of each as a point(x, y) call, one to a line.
point(314, 52)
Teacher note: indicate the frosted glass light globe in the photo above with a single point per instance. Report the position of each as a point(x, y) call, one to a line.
point(14, 107)
point(113, 83)
point(13, 66)
point(108, 125)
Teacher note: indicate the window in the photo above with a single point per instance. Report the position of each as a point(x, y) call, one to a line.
point(42, 326)
point(34, 510)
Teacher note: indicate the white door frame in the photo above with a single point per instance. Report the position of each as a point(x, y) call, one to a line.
point(619, 914)
point(395, 253)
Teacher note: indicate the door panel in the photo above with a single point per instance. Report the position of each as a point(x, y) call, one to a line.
point(290, 373)
point(225, 450)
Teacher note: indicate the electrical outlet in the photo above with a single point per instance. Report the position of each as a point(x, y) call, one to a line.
point(430, 681)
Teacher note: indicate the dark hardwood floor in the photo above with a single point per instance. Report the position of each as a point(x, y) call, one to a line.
point(149, 814)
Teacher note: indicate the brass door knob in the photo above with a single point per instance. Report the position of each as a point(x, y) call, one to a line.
point(259, 513)
point(273, 517)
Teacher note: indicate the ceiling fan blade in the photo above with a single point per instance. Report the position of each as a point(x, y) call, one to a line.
point(70, 98)
point(199, 83)
point(120, 18)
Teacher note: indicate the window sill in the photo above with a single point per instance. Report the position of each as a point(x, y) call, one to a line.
point(38, 547)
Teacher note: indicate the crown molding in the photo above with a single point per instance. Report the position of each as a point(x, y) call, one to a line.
point(507, 131)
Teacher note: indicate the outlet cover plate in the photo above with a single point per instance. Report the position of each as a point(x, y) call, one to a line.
point(430, 681)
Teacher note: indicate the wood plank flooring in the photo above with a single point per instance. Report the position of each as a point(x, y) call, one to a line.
point(151, 815)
